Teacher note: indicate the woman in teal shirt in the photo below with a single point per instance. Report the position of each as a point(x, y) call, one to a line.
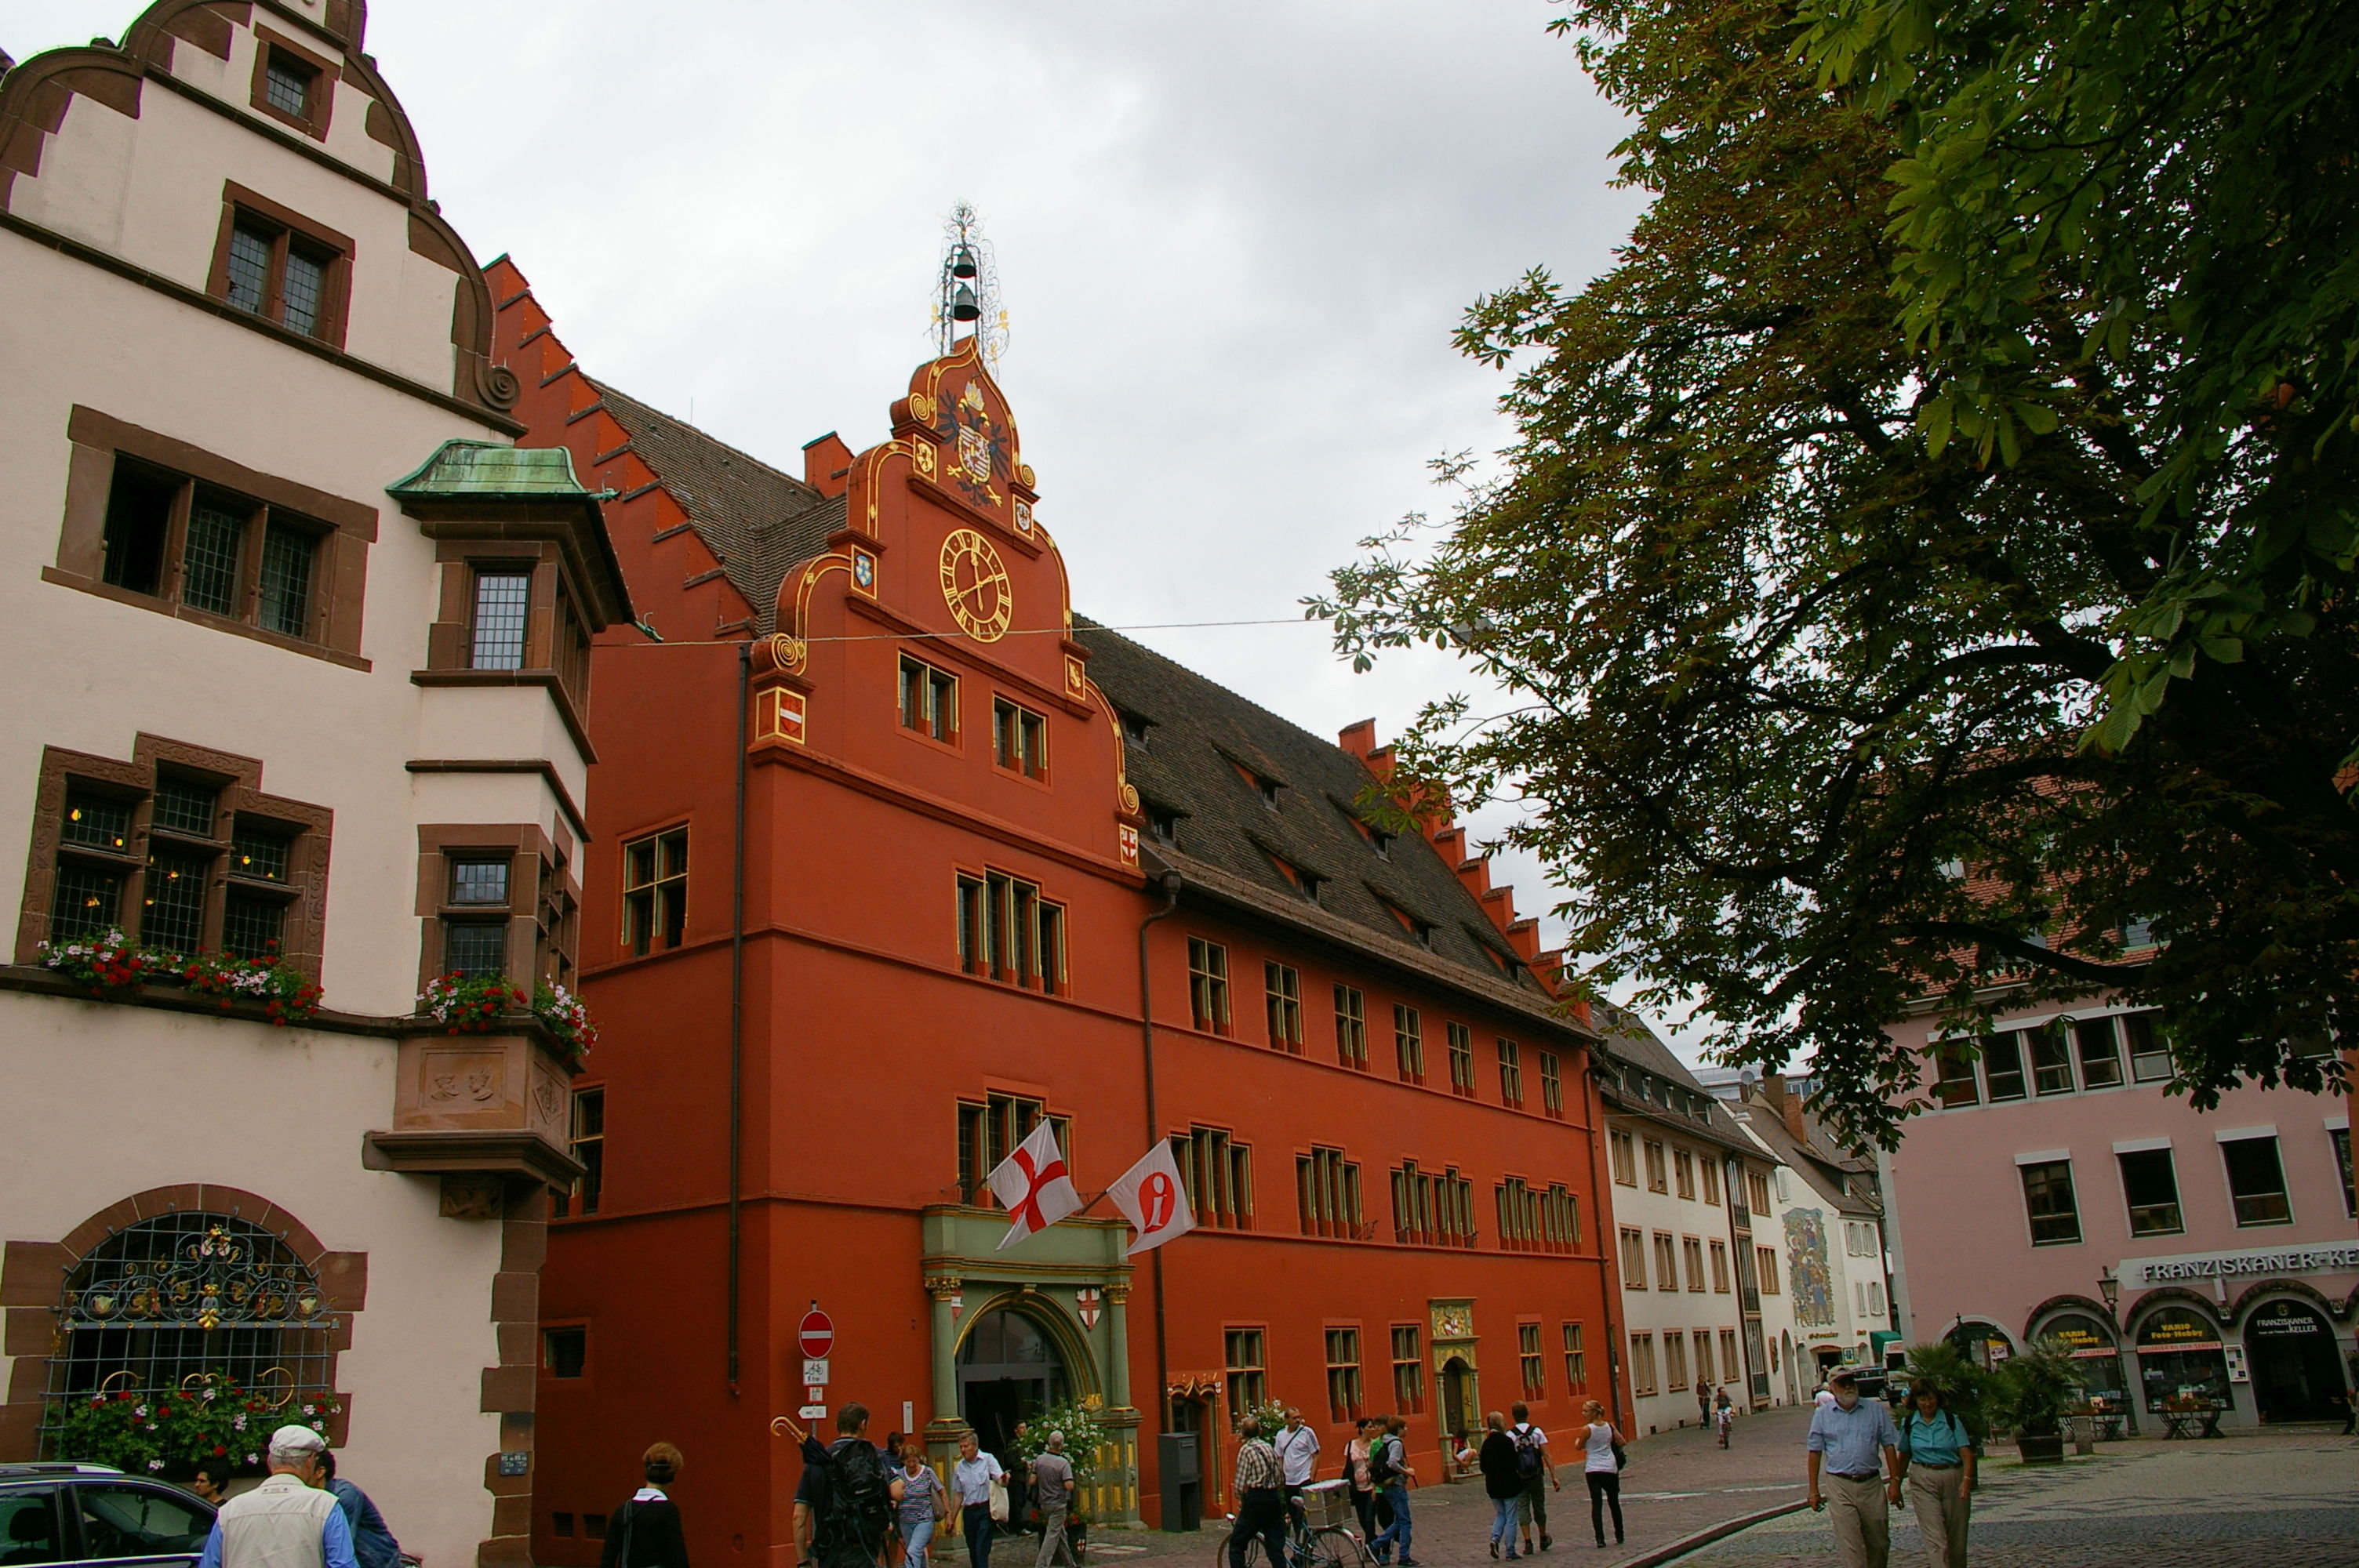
point(1937, 1461)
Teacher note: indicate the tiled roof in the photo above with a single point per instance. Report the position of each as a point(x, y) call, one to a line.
point(757, 519)
point(1202, 740)
point(1633, 1050)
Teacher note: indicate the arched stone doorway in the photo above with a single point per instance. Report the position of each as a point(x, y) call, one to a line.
point(1458, 1418)
point(1009, 1365)
point(2297, 1375)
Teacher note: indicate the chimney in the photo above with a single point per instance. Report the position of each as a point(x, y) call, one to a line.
point(1359, 738)
point(1788, 1106)
point(827, 464)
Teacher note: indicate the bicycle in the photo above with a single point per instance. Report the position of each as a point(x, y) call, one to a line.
point(1322, 1545)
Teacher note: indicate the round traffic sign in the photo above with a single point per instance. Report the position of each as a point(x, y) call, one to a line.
point(817, 1333)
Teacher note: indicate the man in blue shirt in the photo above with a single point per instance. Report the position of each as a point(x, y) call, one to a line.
point(285, 1519)
point(1854, 1442)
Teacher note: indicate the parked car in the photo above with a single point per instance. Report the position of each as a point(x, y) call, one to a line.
point(92, 1513)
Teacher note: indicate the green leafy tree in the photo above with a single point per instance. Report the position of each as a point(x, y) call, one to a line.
point(1925, 566)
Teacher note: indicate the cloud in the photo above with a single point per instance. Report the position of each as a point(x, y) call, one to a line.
point(1233, 239)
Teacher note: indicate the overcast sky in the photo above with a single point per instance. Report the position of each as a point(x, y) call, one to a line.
point(1233, 237)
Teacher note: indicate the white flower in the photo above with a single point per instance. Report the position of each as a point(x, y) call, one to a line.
point(155, 1464)
point(237, 1423)
point(139, 1411)
point(253, 1459)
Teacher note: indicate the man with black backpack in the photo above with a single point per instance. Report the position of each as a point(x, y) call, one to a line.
point(1538, 1473)
point(1388, 1468)
point(846, 1493)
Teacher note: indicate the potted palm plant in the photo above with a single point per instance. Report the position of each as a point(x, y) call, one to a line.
point(2033, 1388)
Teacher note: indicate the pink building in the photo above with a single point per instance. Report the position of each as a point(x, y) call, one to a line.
point(2055, 1190)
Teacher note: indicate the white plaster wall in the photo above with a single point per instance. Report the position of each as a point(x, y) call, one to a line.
point(105, 1102)
point(326, 734)
point(150, 191)
point(1657, 1310)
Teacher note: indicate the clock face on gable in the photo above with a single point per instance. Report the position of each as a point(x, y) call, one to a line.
point(975, 586)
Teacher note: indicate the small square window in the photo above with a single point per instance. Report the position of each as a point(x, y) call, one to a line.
point(479, 881)
point(476, 948)
point(564, 1351)
point(183, 807)
point(287, 85)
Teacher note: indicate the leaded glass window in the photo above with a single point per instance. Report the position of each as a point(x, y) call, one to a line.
point(502, 602)
point(288, 558)
point(259, 853)
point(249, 268)
point(287, 86)
point(89, 901)
point(174, 918)
point(209, 564)
point(479, 881)
point(98, 823)
point(252, 924)
point(307, 281)
point(476, 948)
point(185, 807)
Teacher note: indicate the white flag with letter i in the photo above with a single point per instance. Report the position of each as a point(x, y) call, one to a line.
point(1034, 1186)
point(1152, 1196)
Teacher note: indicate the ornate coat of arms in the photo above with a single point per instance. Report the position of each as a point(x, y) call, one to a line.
point(1089, 1301)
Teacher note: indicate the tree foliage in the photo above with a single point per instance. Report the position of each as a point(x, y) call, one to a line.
point(1928, 553)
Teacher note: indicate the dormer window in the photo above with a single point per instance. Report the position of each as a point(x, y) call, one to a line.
point(1162, 824)
point(1381, 843)
point(1268, 792)
point(292, 85)
point(288, 84)
point(1134, 729)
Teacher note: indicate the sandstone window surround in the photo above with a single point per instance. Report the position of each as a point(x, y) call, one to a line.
point(292, 84)
point(158, 522)
point(178, 847)
point(526, 574)
point(498, 897)
point(273, 262)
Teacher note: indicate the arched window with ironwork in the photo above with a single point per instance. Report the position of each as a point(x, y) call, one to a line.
point(185, 1302)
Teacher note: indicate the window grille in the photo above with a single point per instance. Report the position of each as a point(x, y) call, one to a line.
point(187, 1296)
point(289, 555)
point(175, 897)
point(287, 87)
point(503, 601)
point(89, 901)
point(209, 574)
point(249, 268)
point(100, 824)
point(475, 947)
point(307, 281)
point(479, 881)
point(252, 924)
point(184, 807)
point(258, 854)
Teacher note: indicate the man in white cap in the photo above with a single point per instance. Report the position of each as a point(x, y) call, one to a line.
point(288, 1522)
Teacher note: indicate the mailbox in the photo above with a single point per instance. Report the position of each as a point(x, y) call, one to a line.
point(1181, 1467)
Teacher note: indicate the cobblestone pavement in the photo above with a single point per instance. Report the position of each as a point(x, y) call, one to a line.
point(1680, 1482)
point(2255, 1500)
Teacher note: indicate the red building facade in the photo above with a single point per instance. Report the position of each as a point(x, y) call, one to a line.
point(892, 855)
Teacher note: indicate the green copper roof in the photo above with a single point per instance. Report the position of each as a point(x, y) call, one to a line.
point(484, 470)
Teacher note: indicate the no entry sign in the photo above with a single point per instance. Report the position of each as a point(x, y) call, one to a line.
point(817, 1333)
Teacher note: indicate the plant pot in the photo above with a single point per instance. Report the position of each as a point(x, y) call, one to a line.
point(2048, 1449)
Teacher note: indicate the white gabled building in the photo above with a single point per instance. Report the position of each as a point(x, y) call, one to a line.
point(299, 664)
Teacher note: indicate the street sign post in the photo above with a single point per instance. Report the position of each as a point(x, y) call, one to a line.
point(815, 1371)
point(816, 1335)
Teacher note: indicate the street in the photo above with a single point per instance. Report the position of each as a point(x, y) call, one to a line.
point(2286, 1500)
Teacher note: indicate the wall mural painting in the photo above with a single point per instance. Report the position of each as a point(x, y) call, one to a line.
point(1807, 1275)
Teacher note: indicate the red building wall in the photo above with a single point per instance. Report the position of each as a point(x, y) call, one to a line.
point(859, 1033)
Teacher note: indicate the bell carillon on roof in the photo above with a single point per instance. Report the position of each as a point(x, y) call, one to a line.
point(966, 294)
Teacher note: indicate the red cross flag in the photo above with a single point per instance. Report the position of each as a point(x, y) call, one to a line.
point(1034, 1186)
point(1151, 1195)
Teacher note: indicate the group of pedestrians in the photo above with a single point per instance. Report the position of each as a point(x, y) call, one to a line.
point(301, 1515)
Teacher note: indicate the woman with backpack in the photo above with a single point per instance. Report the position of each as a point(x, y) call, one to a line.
point(1602, 1468)
point(1937, 1462)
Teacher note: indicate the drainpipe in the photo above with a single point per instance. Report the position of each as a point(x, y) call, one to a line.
point(737, 1018)
point(1608, 1285)
point(1170, 884)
